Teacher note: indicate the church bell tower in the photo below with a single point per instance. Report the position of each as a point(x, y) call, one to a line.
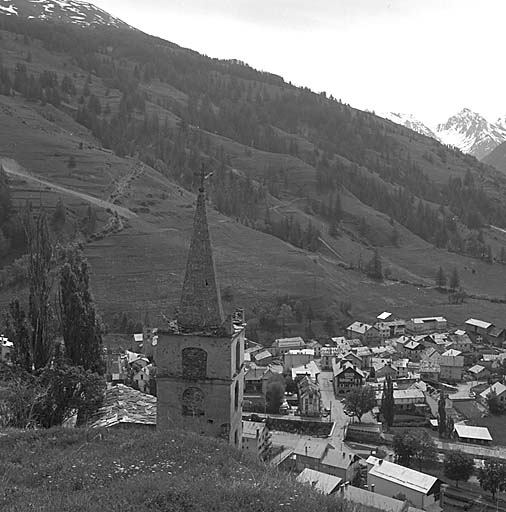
point(200, 355)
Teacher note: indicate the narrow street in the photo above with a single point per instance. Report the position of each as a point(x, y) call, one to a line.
point(337, 416)
point(336, 407)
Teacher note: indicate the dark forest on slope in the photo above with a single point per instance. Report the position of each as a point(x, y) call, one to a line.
point(345, 147)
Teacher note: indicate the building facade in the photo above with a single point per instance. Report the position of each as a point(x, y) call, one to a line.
point(200, 356)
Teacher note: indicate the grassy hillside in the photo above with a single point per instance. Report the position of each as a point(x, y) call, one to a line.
point(139, 470)
point(497, 157)
point(276, 152)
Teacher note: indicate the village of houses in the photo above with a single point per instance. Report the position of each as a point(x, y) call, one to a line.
point(323, 445)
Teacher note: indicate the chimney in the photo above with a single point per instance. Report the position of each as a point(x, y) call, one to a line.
point(372, 487)
point(344, 455)
point(380, 462)
point(305, 450)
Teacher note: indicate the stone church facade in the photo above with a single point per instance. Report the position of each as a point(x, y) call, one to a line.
point(200, 356)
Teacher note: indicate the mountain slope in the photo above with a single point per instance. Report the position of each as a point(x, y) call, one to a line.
point(471, 133)
point(303, 187)
point(497, 157)
point(410, 121)
point(70, 11)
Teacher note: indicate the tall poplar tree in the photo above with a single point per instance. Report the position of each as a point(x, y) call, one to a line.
point(40, 312)
point(441, 421)
point(81, 325)
point(387, 402)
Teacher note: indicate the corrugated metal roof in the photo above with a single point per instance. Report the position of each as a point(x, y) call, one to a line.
point(407, 477)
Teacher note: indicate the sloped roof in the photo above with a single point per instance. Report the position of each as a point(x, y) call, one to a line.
point(470, 432)
point(305, 385)
point(289, 342)
point(497, 387)
point(124, 405)
point(359, 327)
point(452, 353)
point(384, 316)
point(249, 428)
point(320, 481)
point(477, 368)
point(265, 354)
point(479, 323)
point(407, 477)
point(371, 500)
point(428, 319)
point(343, 366)
point(341, 458)
point(496, 331)
point(314, 448)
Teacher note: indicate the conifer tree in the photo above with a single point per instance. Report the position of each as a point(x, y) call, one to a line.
point(440, 278)
point(374, 267)
point(454, 279)
point(81, 326)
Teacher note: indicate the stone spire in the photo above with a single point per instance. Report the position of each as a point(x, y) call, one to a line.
point(200, 306)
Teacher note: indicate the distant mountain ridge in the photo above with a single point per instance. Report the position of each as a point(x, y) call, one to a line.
point(70, 11)
point(411, 122)
point(466, 130)
point(471, 133)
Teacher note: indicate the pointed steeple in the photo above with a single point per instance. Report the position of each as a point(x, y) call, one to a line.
point(200, 306)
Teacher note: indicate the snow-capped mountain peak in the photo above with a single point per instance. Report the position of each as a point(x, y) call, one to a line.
point(411, 122)
point(471, 133)
point(70, 11)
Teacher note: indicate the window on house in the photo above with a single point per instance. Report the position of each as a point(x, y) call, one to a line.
point(236, 398)
point(238, 361)
point(194, 363)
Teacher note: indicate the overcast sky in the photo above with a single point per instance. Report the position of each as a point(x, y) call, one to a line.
point(430, 58)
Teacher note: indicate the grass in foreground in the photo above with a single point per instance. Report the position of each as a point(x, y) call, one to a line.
point(140, 470)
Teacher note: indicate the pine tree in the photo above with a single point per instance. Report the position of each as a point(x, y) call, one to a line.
point(374, 267)
point(441, 278)
point(81, 326)
point(454, 280)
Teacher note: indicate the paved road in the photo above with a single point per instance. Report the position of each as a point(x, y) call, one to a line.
point(336, 407)
point(12, 168)
point(337, 416)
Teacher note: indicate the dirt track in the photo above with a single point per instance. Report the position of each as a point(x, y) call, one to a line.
point(11, 167)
